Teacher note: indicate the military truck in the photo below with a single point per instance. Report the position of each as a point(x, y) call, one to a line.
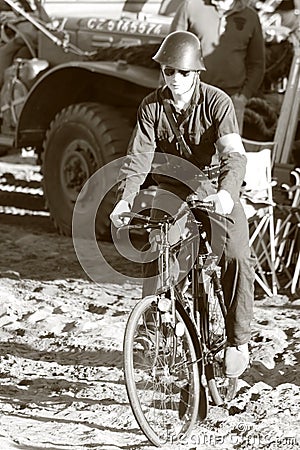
point(74, 97)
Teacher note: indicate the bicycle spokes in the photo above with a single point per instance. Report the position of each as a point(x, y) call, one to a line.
point(162, 383)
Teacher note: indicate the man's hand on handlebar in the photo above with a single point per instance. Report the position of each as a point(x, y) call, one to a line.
point(121, 207)
point(222, 200)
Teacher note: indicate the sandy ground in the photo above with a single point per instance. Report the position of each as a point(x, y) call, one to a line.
point(61, 377)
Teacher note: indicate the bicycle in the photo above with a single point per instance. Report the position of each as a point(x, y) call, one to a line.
point(174, 341)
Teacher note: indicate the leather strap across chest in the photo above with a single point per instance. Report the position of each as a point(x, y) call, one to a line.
point(184, 149)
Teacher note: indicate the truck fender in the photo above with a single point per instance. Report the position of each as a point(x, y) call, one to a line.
point(100, 81)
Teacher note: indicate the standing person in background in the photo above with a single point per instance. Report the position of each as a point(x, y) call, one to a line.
point(233, 46)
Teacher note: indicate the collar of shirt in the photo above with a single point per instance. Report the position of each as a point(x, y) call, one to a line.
point(196, 99)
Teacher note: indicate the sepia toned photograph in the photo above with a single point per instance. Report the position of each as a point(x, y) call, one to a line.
point(149, 224)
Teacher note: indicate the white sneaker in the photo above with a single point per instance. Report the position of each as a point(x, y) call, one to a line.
point(236, 360)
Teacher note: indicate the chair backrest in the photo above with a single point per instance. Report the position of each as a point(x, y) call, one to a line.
point(258, 171)
point(257, 146)
point(257, 192)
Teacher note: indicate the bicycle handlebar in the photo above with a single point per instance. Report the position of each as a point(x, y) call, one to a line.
point(144, 222)
point(207, 207)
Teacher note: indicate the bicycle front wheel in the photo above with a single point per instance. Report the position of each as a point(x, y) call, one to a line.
point(161, 372)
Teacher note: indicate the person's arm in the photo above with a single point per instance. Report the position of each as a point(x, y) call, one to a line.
point(180, 21)
point(137, 164)
point(232, 172)
point(230, 147)
point(255, 70)
point(255, 61)
point(232, 164)
point(232, 157)
point(140, 155)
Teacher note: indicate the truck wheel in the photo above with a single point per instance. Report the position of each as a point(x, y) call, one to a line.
point(81, 138)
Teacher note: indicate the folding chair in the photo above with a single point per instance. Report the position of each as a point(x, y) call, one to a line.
point(287, 234)
point(257, 200)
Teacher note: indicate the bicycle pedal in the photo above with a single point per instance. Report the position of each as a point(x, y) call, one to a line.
point(146, 338)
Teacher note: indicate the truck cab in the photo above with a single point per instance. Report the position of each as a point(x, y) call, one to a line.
point(73, 97)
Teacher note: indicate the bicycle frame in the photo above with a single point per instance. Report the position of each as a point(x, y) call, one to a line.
point(203, 271)
point(174, 338)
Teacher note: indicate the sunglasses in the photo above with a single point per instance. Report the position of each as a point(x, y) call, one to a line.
point(169, 72)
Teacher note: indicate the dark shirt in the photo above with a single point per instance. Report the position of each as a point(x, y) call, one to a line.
point(209, 117)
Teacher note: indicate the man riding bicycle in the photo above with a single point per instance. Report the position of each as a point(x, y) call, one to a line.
point(196, 121)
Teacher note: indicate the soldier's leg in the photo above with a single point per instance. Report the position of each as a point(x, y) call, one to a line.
point(238, 286)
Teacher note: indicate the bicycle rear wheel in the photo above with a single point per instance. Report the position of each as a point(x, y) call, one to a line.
point(161, 372)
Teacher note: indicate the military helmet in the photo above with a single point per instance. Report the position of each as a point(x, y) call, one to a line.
point(180, 50)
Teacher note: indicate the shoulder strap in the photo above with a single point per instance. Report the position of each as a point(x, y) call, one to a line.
point(183, 147)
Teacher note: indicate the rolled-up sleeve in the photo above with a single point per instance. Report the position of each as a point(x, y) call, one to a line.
point(230, 148)
point(232, 173)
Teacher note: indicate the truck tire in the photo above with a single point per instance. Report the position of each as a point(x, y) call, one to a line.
point(81, 138)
